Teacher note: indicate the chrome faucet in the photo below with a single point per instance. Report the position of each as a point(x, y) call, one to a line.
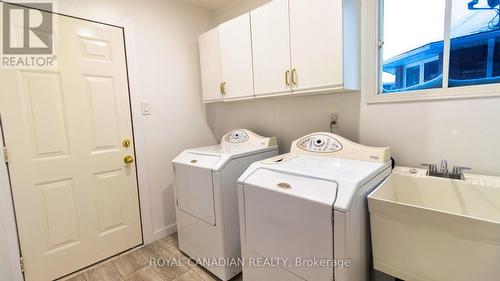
point(444, 167)
point(443, 172)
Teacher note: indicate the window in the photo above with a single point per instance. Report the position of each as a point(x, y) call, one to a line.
point(412, 76)
point(432, 70)
point(439, 44)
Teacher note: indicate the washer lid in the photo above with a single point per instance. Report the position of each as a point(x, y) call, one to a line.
point(349, 175)
point(317, 190)
point(290, 216)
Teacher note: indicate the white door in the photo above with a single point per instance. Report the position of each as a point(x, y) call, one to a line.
point(236, 57)
point(316, 44)
point(211, 76)
point(76, 200)
point(271, 48)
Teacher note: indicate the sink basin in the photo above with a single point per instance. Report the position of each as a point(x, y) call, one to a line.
point(433, 229)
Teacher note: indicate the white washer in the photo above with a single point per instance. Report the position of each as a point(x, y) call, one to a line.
point(310, 206)
point(207, 198)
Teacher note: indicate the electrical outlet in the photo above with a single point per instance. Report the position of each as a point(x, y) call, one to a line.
point(334, 119)
point(334, 122)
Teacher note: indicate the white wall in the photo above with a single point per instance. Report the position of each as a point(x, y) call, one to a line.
point(287, 118)
point(466, 132)
point(162, 51)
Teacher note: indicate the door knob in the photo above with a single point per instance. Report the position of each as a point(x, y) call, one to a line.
point(128, 159)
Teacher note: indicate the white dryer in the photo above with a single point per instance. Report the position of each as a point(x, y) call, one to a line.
point(207, 198)
point(303, 215)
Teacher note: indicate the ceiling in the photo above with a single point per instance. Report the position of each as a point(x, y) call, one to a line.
point(210, 4)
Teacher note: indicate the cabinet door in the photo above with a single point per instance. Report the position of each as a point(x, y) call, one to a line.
point(271, 48)
point(211, 76)
point(236, 57)
point(316, 44)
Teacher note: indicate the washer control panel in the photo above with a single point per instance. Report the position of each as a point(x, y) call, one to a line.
point(330, 145)
point(236, 136)
point(319, 143)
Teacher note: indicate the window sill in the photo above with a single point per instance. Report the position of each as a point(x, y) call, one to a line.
point(465, 92)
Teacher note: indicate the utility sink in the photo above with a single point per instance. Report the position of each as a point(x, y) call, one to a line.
point(434, 229)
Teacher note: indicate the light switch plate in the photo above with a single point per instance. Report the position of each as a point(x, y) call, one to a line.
point(146, 107)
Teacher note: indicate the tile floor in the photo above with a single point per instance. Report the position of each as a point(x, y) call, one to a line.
point(133, 266)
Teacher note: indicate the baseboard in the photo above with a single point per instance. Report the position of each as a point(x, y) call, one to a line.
point(161, 233)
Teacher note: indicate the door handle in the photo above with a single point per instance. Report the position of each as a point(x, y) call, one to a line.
point(294, 76)
point(128, 160)
point(287, 77)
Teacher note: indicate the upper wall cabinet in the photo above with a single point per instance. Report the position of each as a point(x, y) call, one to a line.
point(324, 44)
point(294, 47)
point(236, 58)
point(271, 48)
point(211, 75)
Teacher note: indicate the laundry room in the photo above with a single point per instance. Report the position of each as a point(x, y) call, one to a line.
point(254, 140)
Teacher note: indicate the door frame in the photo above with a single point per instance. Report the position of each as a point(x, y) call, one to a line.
point(8, 220)
point(8, 215)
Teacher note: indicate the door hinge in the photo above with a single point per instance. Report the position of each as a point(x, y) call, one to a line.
point(5, 155)
point(21, 262)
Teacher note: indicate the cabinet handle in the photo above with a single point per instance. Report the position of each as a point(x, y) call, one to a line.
point(294, 76)
point(287, 77)
point(223, 88)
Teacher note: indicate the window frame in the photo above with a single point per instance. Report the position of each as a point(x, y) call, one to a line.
point(373, 64)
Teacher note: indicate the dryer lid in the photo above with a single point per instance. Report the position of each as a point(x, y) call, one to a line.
point(235, 144)
point(198, 159)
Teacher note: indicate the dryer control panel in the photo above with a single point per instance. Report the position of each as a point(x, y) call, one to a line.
point(331, 145)
point(236, 136)
point(243, 137)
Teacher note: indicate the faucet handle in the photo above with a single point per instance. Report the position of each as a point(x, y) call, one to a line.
point(431, 167)
point(459, 170)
